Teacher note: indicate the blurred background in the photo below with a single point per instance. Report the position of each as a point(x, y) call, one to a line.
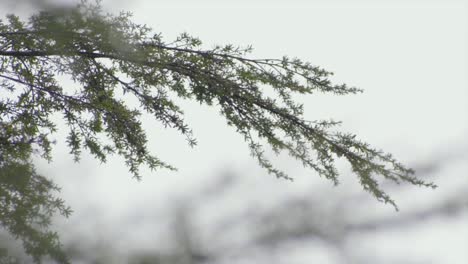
point(410, 57)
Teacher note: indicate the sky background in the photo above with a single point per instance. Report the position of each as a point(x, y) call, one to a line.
point(411, 59)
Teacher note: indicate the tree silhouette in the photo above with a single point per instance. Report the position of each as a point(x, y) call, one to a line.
point(110, 58)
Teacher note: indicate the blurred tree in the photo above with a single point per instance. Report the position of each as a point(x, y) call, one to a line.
point(107, 55)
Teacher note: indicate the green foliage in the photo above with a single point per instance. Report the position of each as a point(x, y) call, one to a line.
point(27, 204)
point(107, 55)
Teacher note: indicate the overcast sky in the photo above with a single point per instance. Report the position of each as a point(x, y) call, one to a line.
point(410, 57)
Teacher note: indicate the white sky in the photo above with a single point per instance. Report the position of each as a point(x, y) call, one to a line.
point(410, 57)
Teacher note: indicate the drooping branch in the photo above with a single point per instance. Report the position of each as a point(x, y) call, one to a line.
point(103, 53)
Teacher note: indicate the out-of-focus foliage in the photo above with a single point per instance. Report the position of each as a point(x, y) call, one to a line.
point(109, 58)
point(264, 232)
point(27, 203)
